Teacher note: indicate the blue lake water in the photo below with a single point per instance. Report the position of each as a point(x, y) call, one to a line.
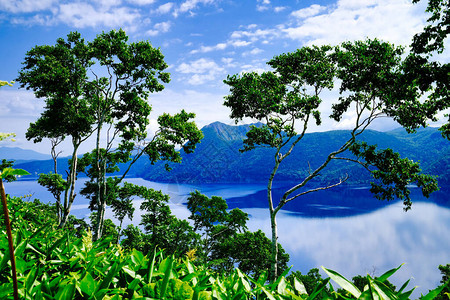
point(344, 229)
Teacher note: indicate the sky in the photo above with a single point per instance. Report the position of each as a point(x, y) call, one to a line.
point(203, 41)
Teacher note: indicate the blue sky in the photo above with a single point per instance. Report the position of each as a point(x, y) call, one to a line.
point(203, 41)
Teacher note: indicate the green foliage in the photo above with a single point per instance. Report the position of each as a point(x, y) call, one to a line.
point(106, 82)
point(310, 280)
point(372, 84)
point(162, 229)
point(434, 34)
point(53, 264)
point(393, 174)
point(226, 240)
point(444, 294)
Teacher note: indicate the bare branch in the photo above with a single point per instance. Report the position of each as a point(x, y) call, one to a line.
point(341, 181)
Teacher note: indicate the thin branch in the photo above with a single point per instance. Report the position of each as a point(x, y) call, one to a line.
point(355, 161)
point(341, 181)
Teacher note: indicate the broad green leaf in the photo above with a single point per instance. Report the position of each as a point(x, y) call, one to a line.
point(404, 286)
point(66, 292)
point(343, 282)
point(31, 279)
point(382, 290)
point(151, 267)
point(318, 289)
point(111, 273)
point(12, 172)
point(281, 288)
point(299, 287)
point(166, 267)
point(5, 290)
point(88, 285)
point(388, 274)
point(267, 293)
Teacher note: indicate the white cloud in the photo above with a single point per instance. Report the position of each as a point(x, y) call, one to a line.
point(26, 6)
point(263, 5)
point(142, 2)
point(239, 43)
point(279, 9)
point(190, 5)
point(160, 28)
point(165, 8)
point(254, 51)
point(207, 106)
point(308, 12)
point(394, 21)
point(203, 70)
point(205, 49)
point(83, 15)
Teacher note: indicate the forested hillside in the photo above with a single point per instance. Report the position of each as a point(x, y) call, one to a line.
point(217, 158)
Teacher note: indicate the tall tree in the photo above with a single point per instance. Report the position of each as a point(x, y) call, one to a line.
point(59, 74)
point(287, 99)
point(433, 76)
point(101, 88)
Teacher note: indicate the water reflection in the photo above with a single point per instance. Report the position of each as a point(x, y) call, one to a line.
point(376, 242)
point(344, 229)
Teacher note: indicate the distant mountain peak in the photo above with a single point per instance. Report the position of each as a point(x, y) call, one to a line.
point(16, 153)
point(226, 132)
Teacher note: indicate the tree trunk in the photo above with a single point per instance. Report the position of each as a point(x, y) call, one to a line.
point(100, 210)
point(69, 195)
point(10, 240)
point(274, 256)
point(273, 223)
point(58, 196)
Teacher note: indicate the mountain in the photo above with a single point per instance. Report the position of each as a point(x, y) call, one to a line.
point(18, 154)
point(217, 157)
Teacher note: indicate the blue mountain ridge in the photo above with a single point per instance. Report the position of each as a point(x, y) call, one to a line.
point(217, 158)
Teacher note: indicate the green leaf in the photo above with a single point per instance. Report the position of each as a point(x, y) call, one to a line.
point(12, 172)
point(299, 287)
point(388, 274)
point(66, 292)
point(88, 285)
point(432, 294)
point(166, 267)
point(5, 290)
point(343, 282)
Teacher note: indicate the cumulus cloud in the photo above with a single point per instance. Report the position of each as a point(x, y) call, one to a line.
point(308, 12)
point(205, 49)
point(395, 21)
point(142, 2)
point(26, 6)
point(201, 70)
point(190, 6)
point(165, 8)
point(279, 9)
point(160, 28)
point(263, 5)
point(83, 15)
point(254, 51)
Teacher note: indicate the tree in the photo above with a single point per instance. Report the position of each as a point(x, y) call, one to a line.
point(101, 88)
point(162, 229)
point(226, 240)
point(59, 73)
point(433, 76)
point(371, 84)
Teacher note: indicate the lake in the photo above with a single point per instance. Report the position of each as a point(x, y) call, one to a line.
point(344, 229)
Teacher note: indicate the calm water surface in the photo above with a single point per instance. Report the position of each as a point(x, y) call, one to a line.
point(344, 229)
